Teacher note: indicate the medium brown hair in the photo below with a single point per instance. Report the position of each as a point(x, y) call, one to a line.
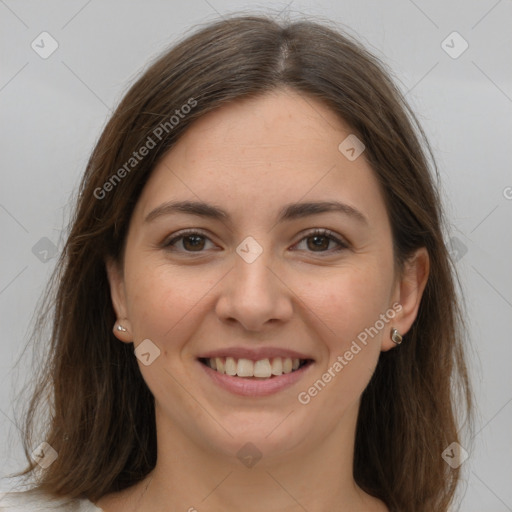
point(102, 417)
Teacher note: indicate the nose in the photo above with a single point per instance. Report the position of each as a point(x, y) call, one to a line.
point(254, 295)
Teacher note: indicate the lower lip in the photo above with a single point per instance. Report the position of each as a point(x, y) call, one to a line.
point(255, 387)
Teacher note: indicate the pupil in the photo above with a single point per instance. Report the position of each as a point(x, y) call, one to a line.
point(320, 245)
point(195, 244)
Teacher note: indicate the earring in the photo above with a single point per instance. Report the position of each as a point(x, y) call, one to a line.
point(396, 337)
point(121, 328)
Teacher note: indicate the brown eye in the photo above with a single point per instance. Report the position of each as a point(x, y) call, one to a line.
point(191, 241)
point(319, 241)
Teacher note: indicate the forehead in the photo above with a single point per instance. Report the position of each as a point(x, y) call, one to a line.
point(281, 128)
point(260, 153)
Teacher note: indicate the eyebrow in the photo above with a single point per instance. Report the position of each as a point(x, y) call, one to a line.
point(288, 212)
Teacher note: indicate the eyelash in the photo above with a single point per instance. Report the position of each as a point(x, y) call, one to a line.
point(316, 232)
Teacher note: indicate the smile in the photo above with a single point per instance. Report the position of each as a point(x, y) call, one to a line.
point(262, 369)
point(254, 378)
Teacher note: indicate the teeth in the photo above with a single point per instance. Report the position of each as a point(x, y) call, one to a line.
point(230, 366)
point(245, 368)
point(218, 364)
point(264, 368)
point(277, 366)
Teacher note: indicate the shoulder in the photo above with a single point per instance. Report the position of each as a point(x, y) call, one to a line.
point(35, 501)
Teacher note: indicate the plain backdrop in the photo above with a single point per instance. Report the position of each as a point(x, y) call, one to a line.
point(53, 108)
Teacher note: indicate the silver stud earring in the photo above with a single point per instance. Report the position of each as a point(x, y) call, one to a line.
point(396, 337)
point(121, 328)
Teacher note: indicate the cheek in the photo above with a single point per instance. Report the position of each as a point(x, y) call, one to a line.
point(164, 306)
point(347, 322)
point(348, 300)
point(163, 298)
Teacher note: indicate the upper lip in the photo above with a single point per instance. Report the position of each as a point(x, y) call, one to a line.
point(254, 354)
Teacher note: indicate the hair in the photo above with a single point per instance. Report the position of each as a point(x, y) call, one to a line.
point(102, 416)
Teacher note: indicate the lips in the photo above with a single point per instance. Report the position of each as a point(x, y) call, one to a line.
point(255, 371)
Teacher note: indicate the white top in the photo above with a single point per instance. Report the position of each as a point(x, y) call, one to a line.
point(35, 501)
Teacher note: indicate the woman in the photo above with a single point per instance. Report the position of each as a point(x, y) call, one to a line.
point(255, 307)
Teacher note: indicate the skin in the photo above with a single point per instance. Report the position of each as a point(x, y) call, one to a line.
point(251, 158)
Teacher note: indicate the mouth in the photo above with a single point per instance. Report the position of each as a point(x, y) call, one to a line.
point(254, 377)
point(267, 368)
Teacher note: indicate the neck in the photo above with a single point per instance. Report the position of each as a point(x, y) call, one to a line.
point(316, 477)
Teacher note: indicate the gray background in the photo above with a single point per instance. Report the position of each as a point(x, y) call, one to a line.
point(53, 110)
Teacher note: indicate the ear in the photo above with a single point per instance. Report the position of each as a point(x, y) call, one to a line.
point(408, 291)
point(118, 296)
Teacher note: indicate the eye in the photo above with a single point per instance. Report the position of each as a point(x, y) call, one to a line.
point(320, 239)
point(191, 241)
point(196, 241)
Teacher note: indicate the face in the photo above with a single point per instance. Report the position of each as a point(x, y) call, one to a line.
point(260, 276)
